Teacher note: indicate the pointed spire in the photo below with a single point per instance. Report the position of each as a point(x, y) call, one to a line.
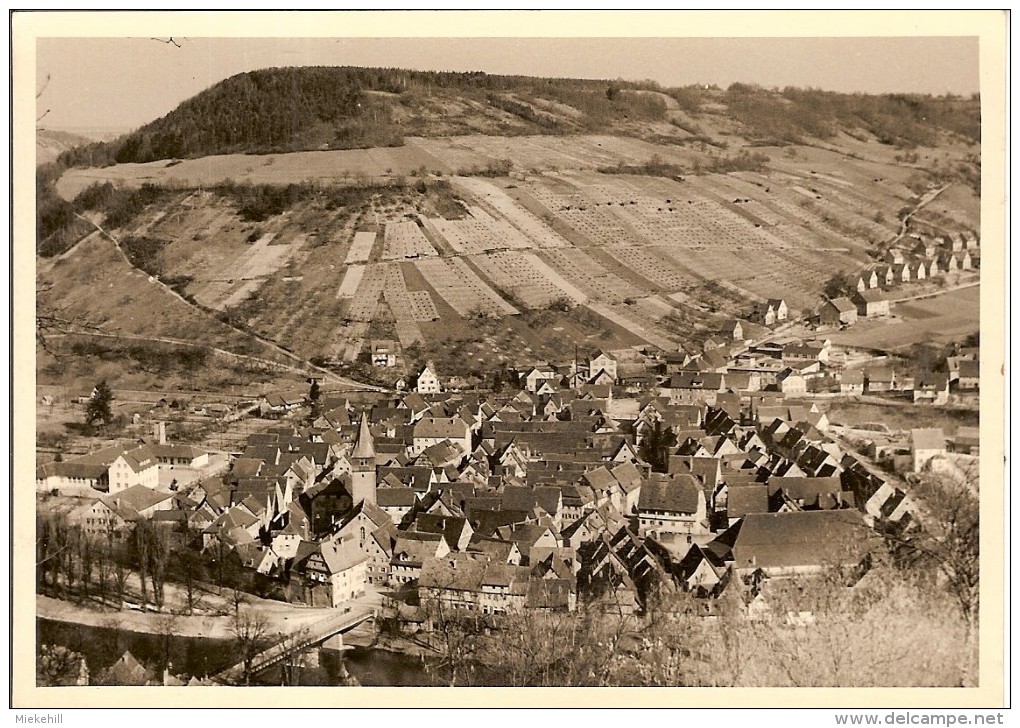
point(364, 447)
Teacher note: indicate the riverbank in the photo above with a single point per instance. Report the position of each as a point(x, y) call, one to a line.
point(405, 645)
point(281, 618)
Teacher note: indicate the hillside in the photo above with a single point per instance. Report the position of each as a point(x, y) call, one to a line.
point(490, 237)
point(50, 144)
point(294, 109)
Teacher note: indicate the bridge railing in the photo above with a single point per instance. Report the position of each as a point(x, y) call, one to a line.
point(317, 632)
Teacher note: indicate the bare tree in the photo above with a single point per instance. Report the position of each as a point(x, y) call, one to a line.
point(166, 629)
point(51, 543)
point(104, 569)
point(949, 540)
point(545, 649)
point(121, 574)
point(292, 645)
point(190, 570)
point(251, 637)
point(68, 562)
point(456, 641)
point(527, 648)
point(159, 553)
point(237, 598)
point(141, 543)
point(85, 553)
point(951, 535)
point(824, 630)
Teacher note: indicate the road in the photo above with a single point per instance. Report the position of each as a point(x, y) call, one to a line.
point(933, 294)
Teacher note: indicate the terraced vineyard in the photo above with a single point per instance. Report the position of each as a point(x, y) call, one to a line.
point(406, 240)
point(516, 274)
point(663, 260)
point(462, 288)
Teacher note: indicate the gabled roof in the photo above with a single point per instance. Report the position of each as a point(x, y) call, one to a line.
point(395, 497)
point(744, 499)
point(709, 381)
point(525, 535)
point(140, 458)
point(801, 351)
point(372, 512)
point(416, 548)
point(600, 478)
point(628, 476)
point(441, 428)
point(676, 494)
point(418, 478)
point(871, 295)
point(139, 498)
point(842, 304)
point(441, 455)
point(449, 527)
point(881, 374)
point(801, 539)
point(69, 469)
point(970, 369)
point(931, 380)
point(339, 557)
point(806, 489)
point(245, 467)
point(853, 376)
point(517, 498)
point(174, 450)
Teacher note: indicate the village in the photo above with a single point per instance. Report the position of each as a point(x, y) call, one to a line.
point(553, 406)
point(597, 481)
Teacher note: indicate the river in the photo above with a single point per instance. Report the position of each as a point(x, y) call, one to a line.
point(102, 646)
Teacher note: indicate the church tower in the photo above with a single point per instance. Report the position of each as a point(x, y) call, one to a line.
point(363, 464)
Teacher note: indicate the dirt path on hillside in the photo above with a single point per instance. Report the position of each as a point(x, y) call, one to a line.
point(307, 365)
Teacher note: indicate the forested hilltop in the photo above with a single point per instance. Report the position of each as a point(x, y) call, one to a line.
point(292, 109)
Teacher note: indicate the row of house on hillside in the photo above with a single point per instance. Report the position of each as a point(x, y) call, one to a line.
point(920, 258)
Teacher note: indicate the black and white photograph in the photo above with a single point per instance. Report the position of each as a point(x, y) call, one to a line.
point(399, 359)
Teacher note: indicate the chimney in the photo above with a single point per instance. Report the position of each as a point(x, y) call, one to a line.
point(159, 432)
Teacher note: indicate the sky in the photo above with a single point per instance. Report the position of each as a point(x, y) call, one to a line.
point(122, 83)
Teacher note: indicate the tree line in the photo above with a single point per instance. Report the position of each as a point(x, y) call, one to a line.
point(112, 567)
point(904, 120)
